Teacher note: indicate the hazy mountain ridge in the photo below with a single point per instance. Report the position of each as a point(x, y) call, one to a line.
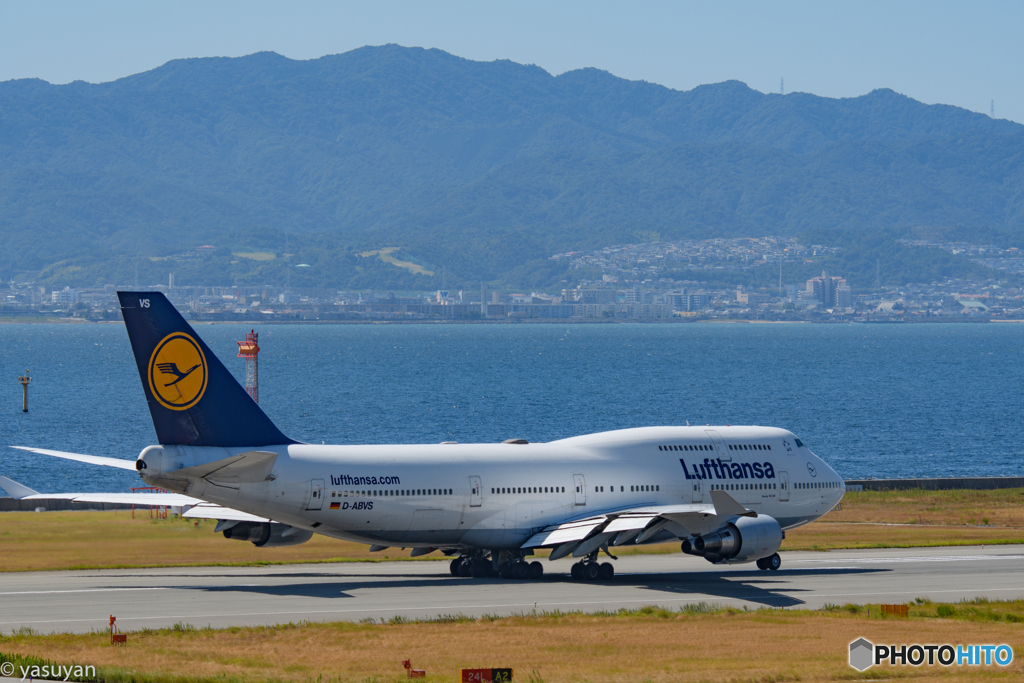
point(478, 167)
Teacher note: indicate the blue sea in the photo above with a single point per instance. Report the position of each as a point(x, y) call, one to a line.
point(932, 400)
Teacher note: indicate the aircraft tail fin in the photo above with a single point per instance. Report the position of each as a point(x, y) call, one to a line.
point(192, 397)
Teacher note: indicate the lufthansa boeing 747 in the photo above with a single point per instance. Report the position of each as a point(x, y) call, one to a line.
point(726, 493)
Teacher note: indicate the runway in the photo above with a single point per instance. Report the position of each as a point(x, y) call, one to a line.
point(78, 601)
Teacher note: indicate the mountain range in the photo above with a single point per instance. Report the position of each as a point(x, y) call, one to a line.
point(470, 170)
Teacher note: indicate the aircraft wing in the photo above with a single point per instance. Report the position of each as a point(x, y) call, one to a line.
point(91, 459)
point(200, 509)
point(581, 536)
point(214, 511)
point(22, 492)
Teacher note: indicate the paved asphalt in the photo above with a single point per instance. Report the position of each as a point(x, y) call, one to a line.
point(79, 601)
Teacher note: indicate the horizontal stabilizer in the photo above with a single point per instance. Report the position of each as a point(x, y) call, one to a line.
point(245, 468)
point(91, 459)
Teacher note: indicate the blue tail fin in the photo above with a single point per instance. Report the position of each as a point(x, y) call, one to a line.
point(193, 398)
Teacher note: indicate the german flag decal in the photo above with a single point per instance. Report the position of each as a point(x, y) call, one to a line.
point(335, 506)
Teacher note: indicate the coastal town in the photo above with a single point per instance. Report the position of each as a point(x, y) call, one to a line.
point(650, 282)
point(938, 301)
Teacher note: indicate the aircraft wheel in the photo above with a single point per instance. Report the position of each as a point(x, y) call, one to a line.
point(522, 570)
point(465, 568)
point(607, 571)
point(536, 570)
point(591, 571)
point(577, 571)
point(454, 566)
point(505, 571)
point(761, 565)
point(774, 562)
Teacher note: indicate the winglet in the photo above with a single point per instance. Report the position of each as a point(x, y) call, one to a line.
point(726, 505)
point(17, 491)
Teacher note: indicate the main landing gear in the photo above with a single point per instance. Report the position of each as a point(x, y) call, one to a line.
point(482, 566)
point(773, 562)
point(521, 569)
point(592, 570)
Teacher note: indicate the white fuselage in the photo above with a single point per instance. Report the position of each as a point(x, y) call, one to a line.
point(495, 496)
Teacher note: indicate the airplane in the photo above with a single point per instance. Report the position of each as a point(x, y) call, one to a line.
point(728, 494)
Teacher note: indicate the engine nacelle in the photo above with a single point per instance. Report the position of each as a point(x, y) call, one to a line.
point(746, 539)
point(267, 534)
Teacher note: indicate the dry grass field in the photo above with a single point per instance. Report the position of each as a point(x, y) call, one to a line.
point(66, 540)
point(698, 643)
point(87, 540)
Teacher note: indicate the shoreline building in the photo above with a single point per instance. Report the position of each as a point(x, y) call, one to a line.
point(831, 292)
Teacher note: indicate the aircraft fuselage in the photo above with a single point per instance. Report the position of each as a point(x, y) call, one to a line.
point(495, 496)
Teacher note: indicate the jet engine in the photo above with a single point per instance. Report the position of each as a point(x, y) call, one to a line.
point(743, 540)
point(267, 534)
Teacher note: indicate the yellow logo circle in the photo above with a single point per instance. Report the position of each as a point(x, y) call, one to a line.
point(177, 372)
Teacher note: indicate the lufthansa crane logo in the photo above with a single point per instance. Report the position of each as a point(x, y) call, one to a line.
point(177, 372)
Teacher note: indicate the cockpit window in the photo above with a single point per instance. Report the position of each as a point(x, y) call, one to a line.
point(799, 443)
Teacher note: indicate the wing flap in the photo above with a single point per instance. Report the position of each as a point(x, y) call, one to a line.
point(214, 511)
point(629, 522)
point(564, 533)
point(640, 523)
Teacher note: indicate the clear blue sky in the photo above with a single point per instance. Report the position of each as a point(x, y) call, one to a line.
point(961, 53)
